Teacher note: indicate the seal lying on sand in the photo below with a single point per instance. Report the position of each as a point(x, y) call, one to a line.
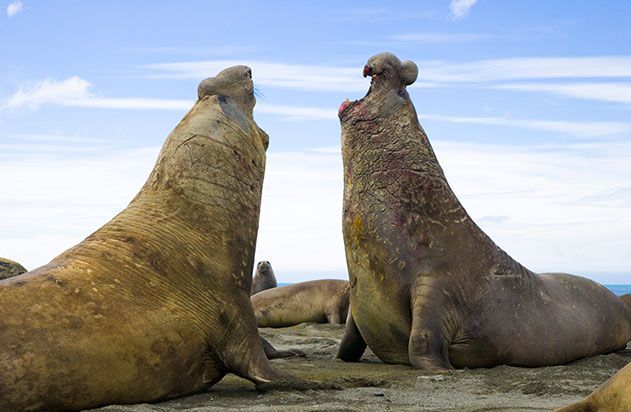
point(318, 301)
point(428, 287)
point(263, 278)
point(155, 304)
point(612, 396)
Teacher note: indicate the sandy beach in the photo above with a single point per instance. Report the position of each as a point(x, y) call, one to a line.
point(373, 385)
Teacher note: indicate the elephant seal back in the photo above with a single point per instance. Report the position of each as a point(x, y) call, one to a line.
point(318, 301)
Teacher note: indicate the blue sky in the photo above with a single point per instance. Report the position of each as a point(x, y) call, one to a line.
point(527, 104)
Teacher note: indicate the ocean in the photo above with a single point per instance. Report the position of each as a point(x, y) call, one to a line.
point(619, 290)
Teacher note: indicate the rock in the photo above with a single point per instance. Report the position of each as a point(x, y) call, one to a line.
point(9, 268)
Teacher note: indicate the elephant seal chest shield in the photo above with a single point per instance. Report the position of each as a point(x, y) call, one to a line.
point(154, 304)
point(428, 287)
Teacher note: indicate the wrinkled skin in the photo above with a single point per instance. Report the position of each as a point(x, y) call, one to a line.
point(263, 278)
point(612, 396)
point(154, 304)
point(428, 287)
point(318, 301)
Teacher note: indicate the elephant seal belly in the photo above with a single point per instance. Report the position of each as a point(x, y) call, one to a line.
point(154, 304)
point(318, 301)
point(428, 287)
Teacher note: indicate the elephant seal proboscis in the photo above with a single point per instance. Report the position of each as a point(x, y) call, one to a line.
point(428, 287)
point(263, 278)
point(154, 304)
point(612, 396)
point(318, 301)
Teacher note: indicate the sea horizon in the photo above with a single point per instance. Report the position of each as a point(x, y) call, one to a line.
point(617, 289)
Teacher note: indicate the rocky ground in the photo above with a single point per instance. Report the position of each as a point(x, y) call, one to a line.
point(372, 385)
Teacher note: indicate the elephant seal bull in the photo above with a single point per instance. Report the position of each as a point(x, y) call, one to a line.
point(612, 396)
point(319, 301)
point(428, 287)
point(154, 304)
point(263, 278)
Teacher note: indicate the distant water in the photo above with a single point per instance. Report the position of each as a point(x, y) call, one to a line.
point(619, 290)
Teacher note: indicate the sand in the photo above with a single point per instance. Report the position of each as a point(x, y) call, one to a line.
point(375, 386)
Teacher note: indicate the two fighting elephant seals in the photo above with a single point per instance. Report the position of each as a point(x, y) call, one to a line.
point(264, 277)
point(318, 301)
point(155, 304)
point(428, 287)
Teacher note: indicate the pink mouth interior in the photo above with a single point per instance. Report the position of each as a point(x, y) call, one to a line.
point(343, 106)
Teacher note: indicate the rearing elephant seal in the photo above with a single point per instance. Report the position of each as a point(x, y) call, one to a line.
point(319, 301)
point(428, 287)
point(263, 278)
point(154, 304)
point(612, 396)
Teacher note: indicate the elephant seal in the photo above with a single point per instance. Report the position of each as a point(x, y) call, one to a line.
point(428, 287)
point(613, 395)
point(9, 268)
point(626, 299)
point(263, 278)
point(154, 304)
point(319, 301)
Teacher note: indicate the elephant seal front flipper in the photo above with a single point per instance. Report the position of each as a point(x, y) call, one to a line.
point(155, 304)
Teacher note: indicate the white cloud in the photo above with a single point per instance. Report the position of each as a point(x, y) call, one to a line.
point(74, 92)
point(460, 8)
point(48, 91)
point(608, 92)
point(292, 76)
point(551, 207)
point(15, 8)
point(439, 38)
point(573, 128)
point(525, 68)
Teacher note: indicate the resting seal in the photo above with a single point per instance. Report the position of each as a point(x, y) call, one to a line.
point(318, 301)
point(263, 278)
point(626, 299)
point(9, 268)
point(154, 304)
point(612, 396)
point(428, 287)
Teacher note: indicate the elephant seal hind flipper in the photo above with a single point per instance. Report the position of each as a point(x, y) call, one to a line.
point(613, 395)
point(428, 287)
point(154, 304)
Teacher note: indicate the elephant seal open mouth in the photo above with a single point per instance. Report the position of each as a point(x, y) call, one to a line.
point(428, 287)
point(154, 304)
